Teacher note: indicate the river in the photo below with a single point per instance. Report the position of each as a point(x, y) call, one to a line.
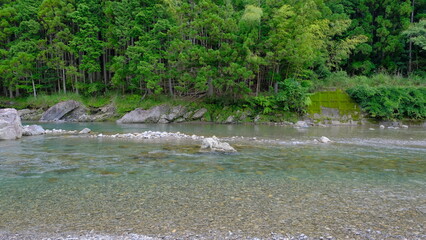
point(366, 184)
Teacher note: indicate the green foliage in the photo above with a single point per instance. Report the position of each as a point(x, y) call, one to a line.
point(391, 102)
point(127, 103)
point(417, 33)
point(208, 48)
point(341, 80)
point(292, 97)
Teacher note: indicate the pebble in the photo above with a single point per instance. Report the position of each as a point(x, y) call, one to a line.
point(151, 135)
point(59, 131)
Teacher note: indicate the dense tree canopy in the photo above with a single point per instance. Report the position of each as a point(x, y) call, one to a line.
point(202, 47)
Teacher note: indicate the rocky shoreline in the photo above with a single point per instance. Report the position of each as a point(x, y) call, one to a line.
point(12, 128)
point(73, 111)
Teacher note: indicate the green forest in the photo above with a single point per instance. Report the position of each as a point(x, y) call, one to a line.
point(208, 48)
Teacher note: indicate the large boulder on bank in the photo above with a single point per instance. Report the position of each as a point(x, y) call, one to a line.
point(158, 114)
point(32, 130)
point(199, 114)
point(214, 145)
point(30, 114)
point(58, 111)
point(139, 115)
point(175, 113)
point(301, 124)
point(10, 124)
point(104, 113)
point(79, 114)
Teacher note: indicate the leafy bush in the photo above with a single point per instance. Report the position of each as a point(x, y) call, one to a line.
point(293, 96)
point(391, 102)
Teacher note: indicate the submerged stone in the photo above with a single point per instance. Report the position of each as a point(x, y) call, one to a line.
point(214, 145)
point(85, 131)
point(32, 130)
point(324, 140)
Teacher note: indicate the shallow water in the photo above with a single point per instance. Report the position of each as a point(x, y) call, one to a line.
point(366, 184)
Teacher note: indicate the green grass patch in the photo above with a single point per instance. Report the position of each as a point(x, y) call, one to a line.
point(338, 99)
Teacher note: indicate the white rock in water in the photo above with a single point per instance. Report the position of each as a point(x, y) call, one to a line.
point(32, 130)
point(85, 131)
point(371, 129)
point(10, 124)
point(214, 145)
point(382, 127)
point(404, 126)
point(301, 124)
point(324, 140)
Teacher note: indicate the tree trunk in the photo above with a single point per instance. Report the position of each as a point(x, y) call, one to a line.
point(210, 87)
point(258, 83)
point(64, 80)
point(410, 44)
point(10, 92)
point(104, 58)
point(276, 82)
point(76, 85)
point(170, 87)
point(34, 89)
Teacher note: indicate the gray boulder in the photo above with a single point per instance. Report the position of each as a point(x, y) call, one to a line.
point(10, 124)
point(58, 111)
point(139, 115)
point(199, 114)
point(162, 114)
point(85, 131)
point(214, 145)
point(257, 118)
point(158, 114)
point(301, 124)
point(105, 112)
point(30, 114)
point(32, 130)
point(79, 114)
point(175, 113)
point(230, 119)
point(324, 140)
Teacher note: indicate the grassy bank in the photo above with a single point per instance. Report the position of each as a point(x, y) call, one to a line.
point(266, 108)
point(382, 97)
point(123, 103)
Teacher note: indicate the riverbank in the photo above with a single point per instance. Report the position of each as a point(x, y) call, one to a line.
point(325, 108)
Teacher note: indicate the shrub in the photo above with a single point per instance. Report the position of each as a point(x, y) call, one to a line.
point(391, 102)
point(293, 96)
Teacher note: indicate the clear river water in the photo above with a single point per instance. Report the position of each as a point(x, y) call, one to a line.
point(366, 184)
